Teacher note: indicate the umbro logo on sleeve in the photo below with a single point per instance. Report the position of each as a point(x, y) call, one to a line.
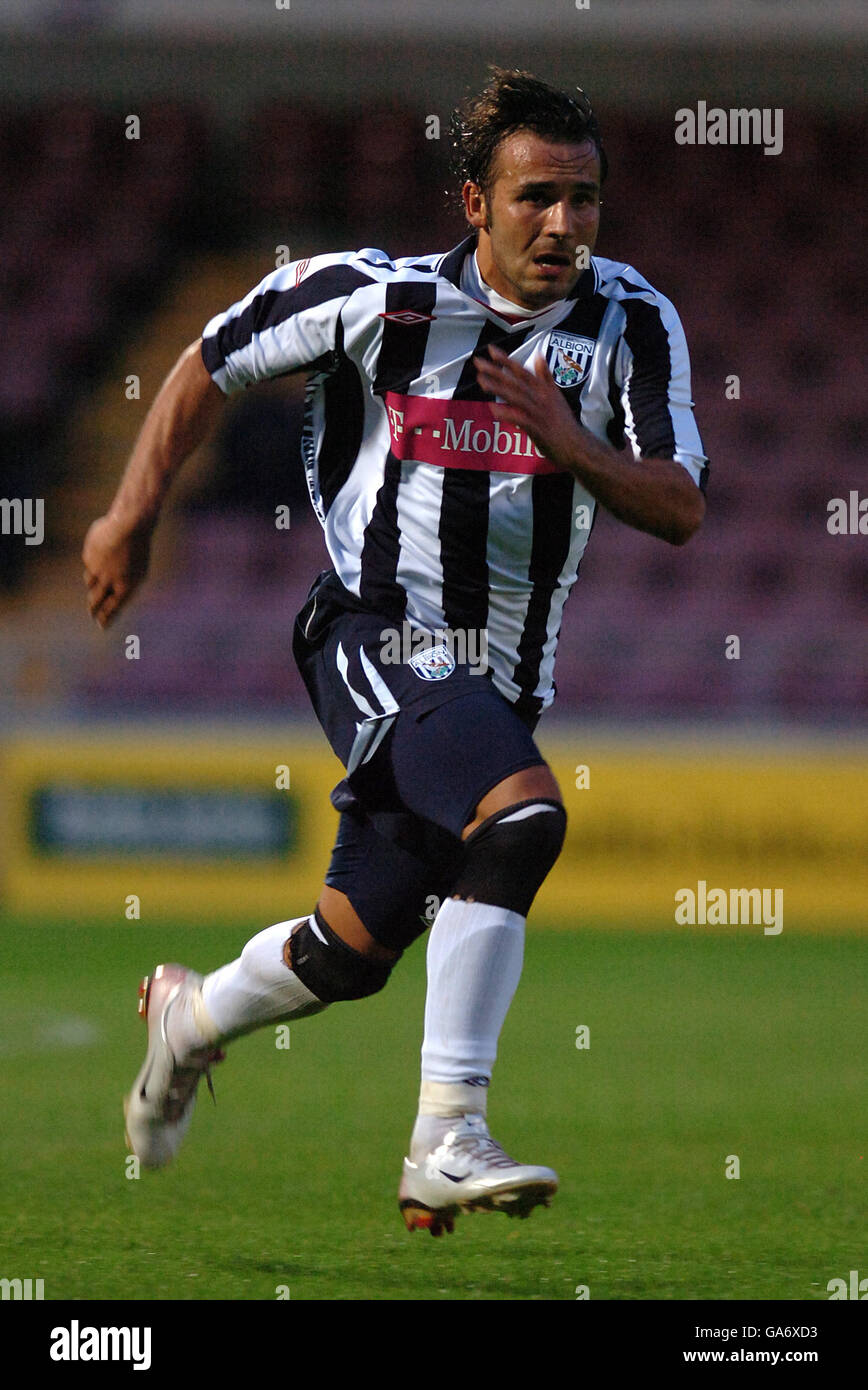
point(406, 316)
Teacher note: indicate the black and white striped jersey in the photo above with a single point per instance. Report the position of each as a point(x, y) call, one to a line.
point(434, 513)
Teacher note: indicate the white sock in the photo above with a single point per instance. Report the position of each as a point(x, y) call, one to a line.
point(256, 988)
point(475, 956)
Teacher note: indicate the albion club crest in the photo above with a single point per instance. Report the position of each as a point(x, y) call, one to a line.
point(569, 358)
point(434, 663)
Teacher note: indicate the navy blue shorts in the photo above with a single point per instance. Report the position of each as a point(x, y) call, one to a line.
point(423, 740)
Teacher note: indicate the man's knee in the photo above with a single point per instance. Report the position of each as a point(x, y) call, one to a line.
point(345, 921)
point(509, 855)
point(535, 782)
point(331, 969)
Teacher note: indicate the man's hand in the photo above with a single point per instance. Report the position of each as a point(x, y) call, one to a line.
point(117, 546)
point(656, 495)
point(115, 563)
point(532, 402)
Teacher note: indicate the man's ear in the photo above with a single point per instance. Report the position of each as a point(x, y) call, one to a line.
point(474, 205)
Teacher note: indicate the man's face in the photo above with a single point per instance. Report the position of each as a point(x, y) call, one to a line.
point(543, 204)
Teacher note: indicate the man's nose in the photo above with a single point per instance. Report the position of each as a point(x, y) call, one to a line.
point(559, 219)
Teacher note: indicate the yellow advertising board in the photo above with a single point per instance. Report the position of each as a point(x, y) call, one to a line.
point(210, 825)
point(199, 826)
point(647, 820)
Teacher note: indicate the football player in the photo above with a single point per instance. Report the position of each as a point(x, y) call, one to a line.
point(465, 410)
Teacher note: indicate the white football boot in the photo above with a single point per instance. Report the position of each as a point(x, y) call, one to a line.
point(455, 1165)
point(159, 1108)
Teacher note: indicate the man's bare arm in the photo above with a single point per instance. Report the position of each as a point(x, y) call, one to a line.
point(654, 495)
point(117, 546)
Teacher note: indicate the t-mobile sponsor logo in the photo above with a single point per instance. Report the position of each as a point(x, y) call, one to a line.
point(460, 435)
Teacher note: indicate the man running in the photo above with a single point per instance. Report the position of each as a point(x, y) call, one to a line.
point(466, 414)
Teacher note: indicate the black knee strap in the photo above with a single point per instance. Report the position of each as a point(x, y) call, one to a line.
point(509, 854)
point(330, 968)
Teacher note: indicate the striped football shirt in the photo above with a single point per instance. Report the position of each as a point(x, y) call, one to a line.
point(434, 513)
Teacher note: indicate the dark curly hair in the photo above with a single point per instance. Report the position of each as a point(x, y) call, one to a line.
point(514, 100)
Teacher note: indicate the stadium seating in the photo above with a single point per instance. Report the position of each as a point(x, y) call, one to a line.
point(762, 279)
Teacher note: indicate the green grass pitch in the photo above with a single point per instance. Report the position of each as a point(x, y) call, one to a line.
point(703, 1044)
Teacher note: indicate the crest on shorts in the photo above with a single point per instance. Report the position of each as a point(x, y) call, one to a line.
point(434, 664)
point(569, 358)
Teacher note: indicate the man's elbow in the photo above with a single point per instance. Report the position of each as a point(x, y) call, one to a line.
point(688, 519)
